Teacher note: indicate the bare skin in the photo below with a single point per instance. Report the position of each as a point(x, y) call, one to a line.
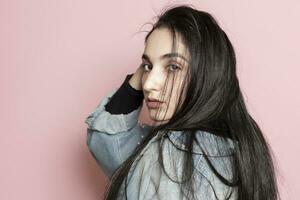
point(136, 80)
point(150, 76)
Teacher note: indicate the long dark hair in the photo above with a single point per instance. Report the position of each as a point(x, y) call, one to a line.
point(213, 103)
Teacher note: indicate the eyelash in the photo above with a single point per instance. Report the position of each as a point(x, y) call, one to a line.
point(177, 67)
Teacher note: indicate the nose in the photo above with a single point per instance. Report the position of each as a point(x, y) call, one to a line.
point(154, 81)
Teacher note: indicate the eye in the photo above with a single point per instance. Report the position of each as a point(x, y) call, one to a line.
point(172, 67)
point(175, 67)
point(143, 65)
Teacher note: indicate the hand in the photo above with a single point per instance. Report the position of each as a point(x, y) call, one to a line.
point(136, 80)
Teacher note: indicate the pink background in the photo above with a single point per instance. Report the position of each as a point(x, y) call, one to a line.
point(58, 58)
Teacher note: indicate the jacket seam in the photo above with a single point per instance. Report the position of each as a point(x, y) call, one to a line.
point(198, 163)
point(119, 152)
point(147, 187)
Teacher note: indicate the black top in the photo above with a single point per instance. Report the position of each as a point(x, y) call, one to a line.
point(126, 99)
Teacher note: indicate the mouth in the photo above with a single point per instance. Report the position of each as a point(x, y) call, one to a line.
point(153, 103)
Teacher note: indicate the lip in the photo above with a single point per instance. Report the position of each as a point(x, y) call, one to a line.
point(153, 103)
point(153, 100)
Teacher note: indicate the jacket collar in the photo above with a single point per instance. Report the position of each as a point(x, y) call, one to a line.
point(211, 144)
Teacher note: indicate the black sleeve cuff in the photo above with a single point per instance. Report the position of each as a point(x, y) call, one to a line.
point(126, 99)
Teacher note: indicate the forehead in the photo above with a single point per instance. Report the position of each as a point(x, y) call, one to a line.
point(160, 43)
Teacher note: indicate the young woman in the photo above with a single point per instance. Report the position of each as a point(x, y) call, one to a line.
point(203, 143)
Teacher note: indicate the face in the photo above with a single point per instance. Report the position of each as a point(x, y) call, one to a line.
point(158, 64)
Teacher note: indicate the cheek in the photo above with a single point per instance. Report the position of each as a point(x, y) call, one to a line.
point(144, 78)
point(176, 93)
point(142, 82)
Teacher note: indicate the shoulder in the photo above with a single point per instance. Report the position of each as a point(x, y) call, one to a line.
point(217, 149)
point(206, 142)
point(219, 153)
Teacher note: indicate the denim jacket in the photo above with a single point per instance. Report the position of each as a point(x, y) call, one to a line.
point(112, 138)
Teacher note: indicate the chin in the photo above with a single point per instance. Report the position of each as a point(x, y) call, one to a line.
point(158, 117)
point(158, 120)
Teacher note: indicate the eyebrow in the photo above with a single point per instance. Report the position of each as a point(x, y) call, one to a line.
point(168, 55)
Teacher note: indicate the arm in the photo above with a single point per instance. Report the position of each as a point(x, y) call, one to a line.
point(111, 138)
point(126, 99)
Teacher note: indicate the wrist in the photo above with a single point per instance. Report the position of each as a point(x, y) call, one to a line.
point(134, 83)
